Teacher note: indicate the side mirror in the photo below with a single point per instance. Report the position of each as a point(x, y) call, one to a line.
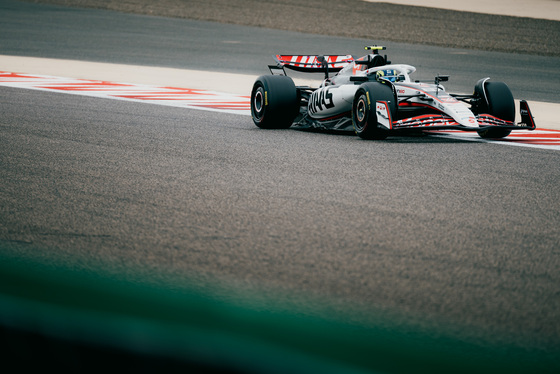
point(441, 78)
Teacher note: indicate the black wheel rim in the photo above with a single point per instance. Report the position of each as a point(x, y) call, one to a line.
point(361, 113)
point(259, 103)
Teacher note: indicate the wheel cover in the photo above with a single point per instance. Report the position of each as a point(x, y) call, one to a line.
point(259, 103)
point(361, 110)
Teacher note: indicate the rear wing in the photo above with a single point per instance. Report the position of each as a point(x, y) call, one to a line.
point(312, 63)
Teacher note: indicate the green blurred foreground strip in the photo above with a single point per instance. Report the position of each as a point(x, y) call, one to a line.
point(68, 321)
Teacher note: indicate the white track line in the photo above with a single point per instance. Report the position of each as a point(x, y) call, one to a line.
point(169, 96)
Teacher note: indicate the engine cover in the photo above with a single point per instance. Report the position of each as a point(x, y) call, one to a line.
point(331, 101)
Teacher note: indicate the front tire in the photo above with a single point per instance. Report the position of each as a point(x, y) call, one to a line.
point(364, 114)
point(274, 102)
point(499, 103)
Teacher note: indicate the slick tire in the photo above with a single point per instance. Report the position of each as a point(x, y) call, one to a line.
point(274, 102)
point(499, 103)
point(364, 115)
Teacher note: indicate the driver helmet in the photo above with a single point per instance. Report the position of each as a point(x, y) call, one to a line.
point(387, 74)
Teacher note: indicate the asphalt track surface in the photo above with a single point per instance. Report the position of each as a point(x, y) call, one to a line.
point(361, 19)
point(438, 233)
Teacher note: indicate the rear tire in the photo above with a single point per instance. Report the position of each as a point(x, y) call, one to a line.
point(364, 115)
point(500, 104)
point(274, 102)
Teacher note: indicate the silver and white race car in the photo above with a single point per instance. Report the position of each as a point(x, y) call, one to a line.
point(376, 99)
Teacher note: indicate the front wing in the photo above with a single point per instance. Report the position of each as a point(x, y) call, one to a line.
point(445, 122)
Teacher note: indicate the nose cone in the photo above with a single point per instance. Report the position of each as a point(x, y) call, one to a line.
point(463, 115)
point(469, 122)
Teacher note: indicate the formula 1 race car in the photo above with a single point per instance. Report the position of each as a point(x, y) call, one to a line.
point(376, 98)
